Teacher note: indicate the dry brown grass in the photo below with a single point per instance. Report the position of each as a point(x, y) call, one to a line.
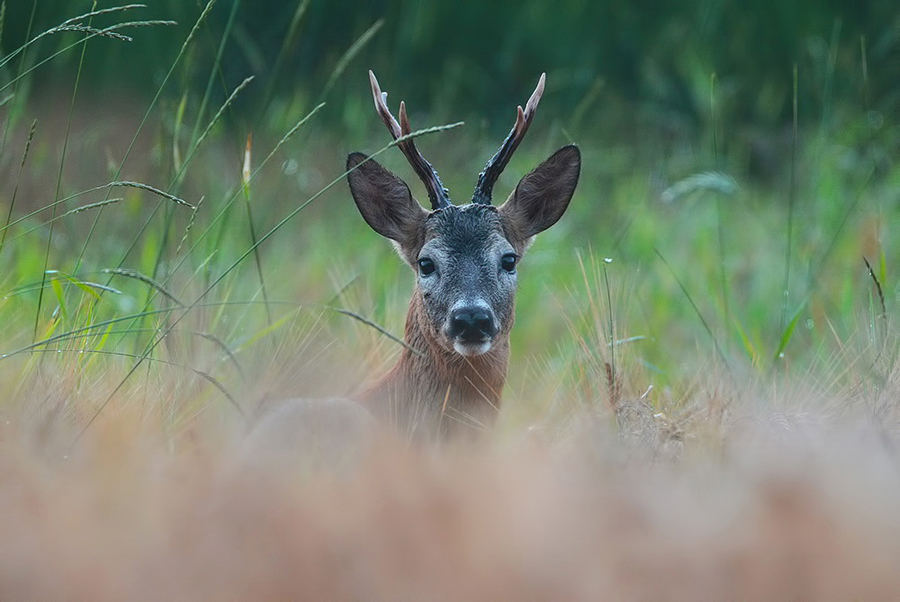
point(787, 508)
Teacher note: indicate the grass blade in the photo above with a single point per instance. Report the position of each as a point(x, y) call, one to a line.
point(245, 186)
point(351, 53)
point(60, 298)
point(216, 69)
point(286, 45)
point(792, 196)
point(696, 309)
point(135, 275)
point(788, 333)
point(877, 288)
point(749, 347)
point(378, 327)
point(12, 202)
point(156, 191)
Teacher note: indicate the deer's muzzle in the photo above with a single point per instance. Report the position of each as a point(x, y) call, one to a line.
point(472, 329)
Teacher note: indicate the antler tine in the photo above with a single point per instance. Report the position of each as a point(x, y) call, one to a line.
point(494, 167)
point(381, 106)
point(437, 194)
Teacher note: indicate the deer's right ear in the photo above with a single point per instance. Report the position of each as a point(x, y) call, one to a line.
point(384, 201)
point(543, 195)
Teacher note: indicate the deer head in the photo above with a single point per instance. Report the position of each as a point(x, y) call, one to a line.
point(465, 256)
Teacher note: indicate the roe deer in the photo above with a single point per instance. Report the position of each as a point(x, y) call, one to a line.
point(465, 258)
point(462, 307)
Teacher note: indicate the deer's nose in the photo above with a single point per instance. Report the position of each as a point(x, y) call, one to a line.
point(472, 324)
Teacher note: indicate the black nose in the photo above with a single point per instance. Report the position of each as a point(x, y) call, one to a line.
point(471, 324)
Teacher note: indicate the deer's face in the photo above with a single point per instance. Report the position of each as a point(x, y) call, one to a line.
point(466, 276)
point(465, 257)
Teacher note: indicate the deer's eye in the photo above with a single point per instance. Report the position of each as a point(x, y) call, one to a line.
point(426, 266)
point(508, 262)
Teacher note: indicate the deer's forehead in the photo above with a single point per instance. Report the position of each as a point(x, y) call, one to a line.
point(462, 229)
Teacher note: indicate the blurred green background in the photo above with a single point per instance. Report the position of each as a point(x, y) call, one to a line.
point(616, 63)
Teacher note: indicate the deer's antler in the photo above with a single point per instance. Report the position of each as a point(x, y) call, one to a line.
point(494, 167)
point(437, 194)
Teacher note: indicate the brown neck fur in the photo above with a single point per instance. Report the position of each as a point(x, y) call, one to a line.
point(440, 391)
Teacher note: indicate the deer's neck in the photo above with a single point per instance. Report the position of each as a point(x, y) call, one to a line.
point(437, 389)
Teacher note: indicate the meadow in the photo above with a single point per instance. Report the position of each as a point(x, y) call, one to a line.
point(180, 257)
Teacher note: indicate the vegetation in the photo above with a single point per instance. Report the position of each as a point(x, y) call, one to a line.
point(181, 249)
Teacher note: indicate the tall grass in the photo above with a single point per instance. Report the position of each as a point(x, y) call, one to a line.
point(139, 338)
point(667, 312)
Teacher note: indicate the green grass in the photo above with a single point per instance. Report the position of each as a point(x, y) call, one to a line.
point(701, 273)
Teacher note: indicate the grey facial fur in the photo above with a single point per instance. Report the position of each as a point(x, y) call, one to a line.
point(466, 245)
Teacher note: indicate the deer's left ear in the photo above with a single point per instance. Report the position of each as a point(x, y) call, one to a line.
point(542, 196)
point(384, 201)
